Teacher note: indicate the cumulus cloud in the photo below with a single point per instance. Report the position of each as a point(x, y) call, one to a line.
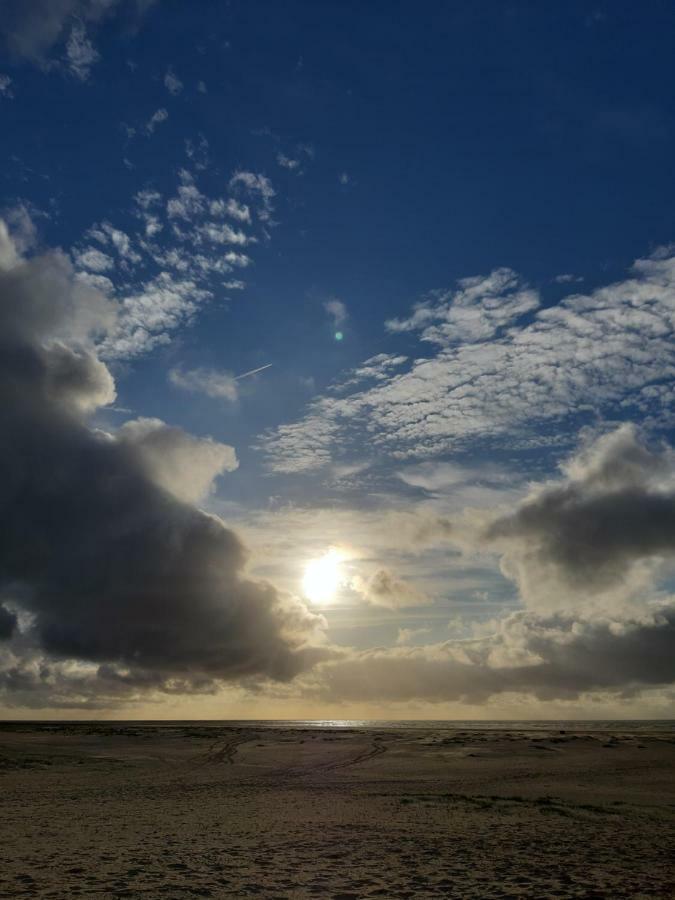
point(109, 563)
point(184, 465)
point(213, 383)
point(383, 588)
point(596, 532)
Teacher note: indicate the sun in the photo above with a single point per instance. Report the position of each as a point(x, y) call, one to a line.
point(322, 577)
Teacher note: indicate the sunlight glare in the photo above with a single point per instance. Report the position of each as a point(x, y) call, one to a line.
point(322, 577)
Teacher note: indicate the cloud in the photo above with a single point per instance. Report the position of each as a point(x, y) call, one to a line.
point(548, 658)
point(286, 162)
point(382, 588)
point(444, 476)
point(232, 208)
point(7, 623)
point(176, 461)
point(409, 635)
point(504, 371)
point(31, 29)
point(159, 116)
point(6, 87)
point(567, 278)
point(257, 186)
point(80, 52)
point(594, 537)
point(94, 260)
point(213, 383)
point(112, 569)
point(148, 316)
point(162, 283)
point(337, 310)
point(172, 83)
point(480, 309)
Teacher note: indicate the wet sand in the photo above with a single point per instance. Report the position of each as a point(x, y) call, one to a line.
point(176, 811)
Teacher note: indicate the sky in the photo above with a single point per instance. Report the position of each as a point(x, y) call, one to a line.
point(336, 359)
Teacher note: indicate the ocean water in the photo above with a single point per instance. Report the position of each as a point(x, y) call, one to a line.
point(453, 725)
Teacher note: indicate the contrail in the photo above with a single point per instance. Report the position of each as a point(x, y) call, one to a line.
point(253, 372)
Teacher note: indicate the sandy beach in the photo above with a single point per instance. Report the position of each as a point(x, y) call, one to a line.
point(234, 811)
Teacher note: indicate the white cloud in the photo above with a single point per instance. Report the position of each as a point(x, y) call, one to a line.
point(172, 82)
point(149, 315)
point(257, 186)
point(147, 198)
point(232, 208)
point(80, 52)
point(162, 281)
point(217, 384)
point(159, 116)
point(497, 374)
point(6, 87)
point(481, 308)
point(182, 464)
point(567, 278)
point(337, 310)
point(221, 233)
point(286, 162)
point(94, 260)
point(237, 259)
point(188, 203)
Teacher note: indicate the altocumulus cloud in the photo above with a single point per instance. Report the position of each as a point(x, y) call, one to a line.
point(502, 370)
point(118, 582)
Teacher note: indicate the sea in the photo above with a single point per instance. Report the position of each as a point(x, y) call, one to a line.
point(455, 725)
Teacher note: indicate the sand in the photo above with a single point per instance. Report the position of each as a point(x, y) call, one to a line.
point(247, 811)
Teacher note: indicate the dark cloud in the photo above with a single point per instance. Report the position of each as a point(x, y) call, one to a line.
point(98, 543)
point(616, 507)
point(584, 552)
point(549, 658)
point(7, 623)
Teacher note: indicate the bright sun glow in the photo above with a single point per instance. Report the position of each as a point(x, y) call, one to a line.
point(322, 577)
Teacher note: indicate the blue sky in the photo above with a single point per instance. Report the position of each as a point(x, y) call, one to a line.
point(460, 191)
